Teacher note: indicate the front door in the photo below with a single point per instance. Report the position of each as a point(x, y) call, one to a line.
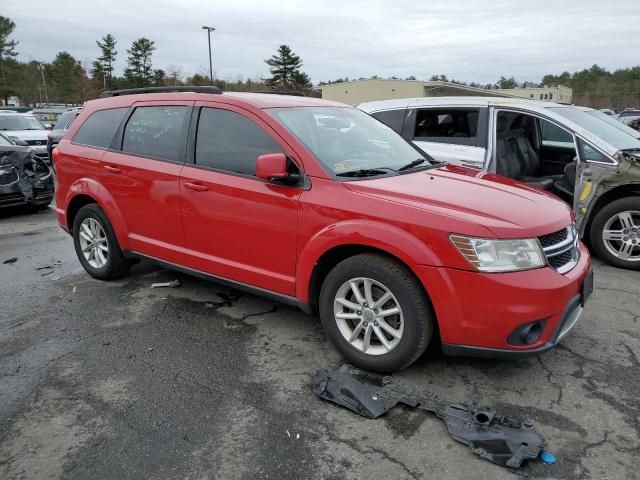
point(238, 226)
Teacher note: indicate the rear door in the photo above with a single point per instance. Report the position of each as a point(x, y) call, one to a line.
point(238, 226)
point(455, 135)
point(141, 172)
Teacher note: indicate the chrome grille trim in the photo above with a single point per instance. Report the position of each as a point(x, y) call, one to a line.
point(569, 244)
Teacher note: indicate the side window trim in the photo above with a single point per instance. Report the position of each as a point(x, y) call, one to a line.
point(118, 140)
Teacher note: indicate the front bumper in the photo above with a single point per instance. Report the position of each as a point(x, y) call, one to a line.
point(477, 312)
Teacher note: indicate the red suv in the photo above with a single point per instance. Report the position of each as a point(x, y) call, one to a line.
point(316, 204)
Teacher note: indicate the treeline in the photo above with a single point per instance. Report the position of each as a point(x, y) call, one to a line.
point(71, 81)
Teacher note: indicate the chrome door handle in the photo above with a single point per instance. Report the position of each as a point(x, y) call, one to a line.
point(198, 187)
point(112, 169)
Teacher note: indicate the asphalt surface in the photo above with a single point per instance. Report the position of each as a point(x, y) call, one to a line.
point(114, 380)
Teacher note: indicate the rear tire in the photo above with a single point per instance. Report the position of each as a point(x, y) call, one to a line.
point(346, 316)
point(619, 218)
point(96, 244)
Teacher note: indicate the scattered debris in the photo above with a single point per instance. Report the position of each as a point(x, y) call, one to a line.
point(547, 457)
point(288, 434)
point(171, 284)
point(11, 260)
point(74, 289)
point(106, 343)
point(502, 440)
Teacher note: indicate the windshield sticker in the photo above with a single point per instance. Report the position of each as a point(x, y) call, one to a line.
point(340, 166)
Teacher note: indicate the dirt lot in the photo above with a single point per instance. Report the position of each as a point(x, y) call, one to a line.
point(116, 380)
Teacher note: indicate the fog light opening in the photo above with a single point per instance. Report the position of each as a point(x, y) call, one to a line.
point(526, 334)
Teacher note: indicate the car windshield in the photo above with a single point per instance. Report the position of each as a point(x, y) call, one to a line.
point(4, 141)
point(19, 122)
point(616, 123)
point(347, 140)
point(611, 134)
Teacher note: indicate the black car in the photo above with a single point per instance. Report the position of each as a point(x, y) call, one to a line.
point(61, 126)
point(25, 179)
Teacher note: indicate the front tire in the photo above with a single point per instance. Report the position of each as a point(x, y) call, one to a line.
point(96, 244)
point(615, 233)
point(376, 313)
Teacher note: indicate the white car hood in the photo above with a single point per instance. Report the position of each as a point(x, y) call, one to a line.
point(28, 135)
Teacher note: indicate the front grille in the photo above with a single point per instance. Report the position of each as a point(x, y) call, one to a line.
point(561, 248)
point(36, 143)
point(553, 238)
point(8, 175)
point(10, 199)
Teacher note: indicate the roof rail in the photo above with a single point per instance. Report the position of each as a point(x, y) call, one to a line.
point(135, 91)
point(293, 93)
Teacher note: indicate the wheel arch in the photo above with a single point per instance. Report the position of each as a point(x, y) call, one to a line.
point(617, 193)
point(87, 191)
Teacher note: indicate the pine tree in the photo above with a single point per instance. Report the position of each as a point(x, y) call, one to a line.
point(139, 72)
point(107, 59)
point(7, 53)
point(285, 71)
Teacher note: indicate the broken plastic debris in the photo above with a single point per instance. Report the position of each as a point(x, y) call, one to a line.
point(171, 284)
point(502, 440)
point(547, 457)
point(10, 260)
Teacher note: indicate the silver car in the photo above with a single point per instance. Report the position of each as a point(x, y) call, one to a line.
point(592, 163)
point(26, 128)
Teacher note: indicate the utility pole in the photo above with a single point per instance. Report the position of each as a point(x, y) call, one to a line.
point(209, 30)
point(44, 83)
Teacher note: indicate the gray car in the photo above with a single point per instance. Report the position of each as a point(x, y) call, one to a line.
point(591, 163)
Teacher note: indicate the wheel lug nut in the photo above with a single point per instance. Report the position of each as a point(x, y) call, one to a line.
point(359, 312)
point(626, 238)
point(375, 323)
point(377, 311)
point(365, 304)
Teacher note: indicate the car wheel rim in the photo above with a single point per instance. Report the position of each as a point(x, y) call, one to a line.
point(621, 235)
point(368, 316)
point(94, 243)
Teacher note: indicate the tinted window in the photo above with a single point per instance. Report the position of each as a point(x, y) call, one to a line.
point(552, 133)
point(457, 123)
point(229, 141)
point(98, 130)
point(391, 118)
point(157, 132)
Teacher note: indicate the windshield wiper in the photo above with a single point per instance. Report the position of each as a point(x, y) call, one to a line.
point(415, 163)
point(363, 172)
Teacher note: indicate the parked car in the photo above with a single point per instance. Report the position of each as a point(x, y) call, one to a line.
point(25, 127)
point(315, 204)
point(25, 179)
point(624, 126)
point(628, 112)
point(591, 163)
point(61, 126)
point(608, 111)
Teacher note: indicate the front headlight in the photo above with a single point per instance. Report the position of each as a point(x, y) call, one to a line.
point(500, 255)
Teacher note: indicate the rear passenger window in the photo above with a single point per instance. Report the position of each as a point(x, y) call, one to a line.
point(157, 132)
point(447, 124)
point(98, 130)
point(229, 141)
point(391, 118)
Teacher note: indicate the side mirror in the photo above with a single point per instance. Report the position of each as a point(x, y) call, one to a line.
point(273, 167)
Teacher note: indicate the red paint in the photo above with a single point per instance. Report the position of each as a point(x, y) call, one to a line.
point(271, 235)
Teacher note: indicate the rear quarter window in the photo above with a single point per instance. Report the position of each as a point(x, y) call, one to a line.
point(391, 118)
point(99, 129)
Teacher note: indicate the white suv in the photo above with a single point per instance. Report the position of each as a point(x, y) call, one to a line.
point(26, 128)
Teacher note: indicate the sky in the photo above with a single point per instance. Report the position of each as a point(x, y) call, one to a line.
point(467, 40)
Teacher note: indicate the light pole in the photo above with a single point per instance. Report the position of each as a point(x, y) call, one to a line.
point(209, 30)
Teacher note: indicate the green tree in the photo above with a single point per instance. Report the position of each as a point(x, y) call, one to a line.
point(285, 70)
point(65, 74)
point(139, 72)
point(159, 78)
point(107, 58)
point(7, 52)
point(507, 83)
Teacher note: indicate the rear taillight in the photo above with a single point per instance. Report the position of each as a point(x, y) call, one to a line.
point(55, 158)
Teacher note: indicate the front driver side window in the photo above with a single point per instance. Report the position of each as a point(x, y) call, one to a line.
point(231, 142)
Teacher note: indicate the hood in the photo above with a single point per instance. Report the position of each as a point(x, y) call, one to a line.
point(28, 135)
point(507, 208)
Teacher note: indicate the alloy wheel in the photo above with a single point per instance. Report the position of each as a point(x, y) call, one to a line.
point(368, 316)
point(621, 235)
point(93, 243)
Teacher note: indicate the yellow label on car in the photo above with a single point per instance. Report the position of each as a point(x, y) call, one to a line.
point(586, 190)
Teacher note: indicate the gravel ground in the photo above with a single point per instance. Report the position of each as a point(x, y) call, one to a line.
point(114, 380)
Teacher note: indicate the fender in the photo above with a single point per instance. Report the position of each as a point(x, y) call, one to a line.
point(382, 236)
point(93, 189)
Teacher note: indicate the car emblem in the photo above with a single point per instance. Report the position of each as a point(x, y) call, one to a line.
point(38, 142)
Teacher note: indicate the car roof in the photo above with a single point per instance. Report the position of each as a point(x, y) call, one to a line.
point(257, 100)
